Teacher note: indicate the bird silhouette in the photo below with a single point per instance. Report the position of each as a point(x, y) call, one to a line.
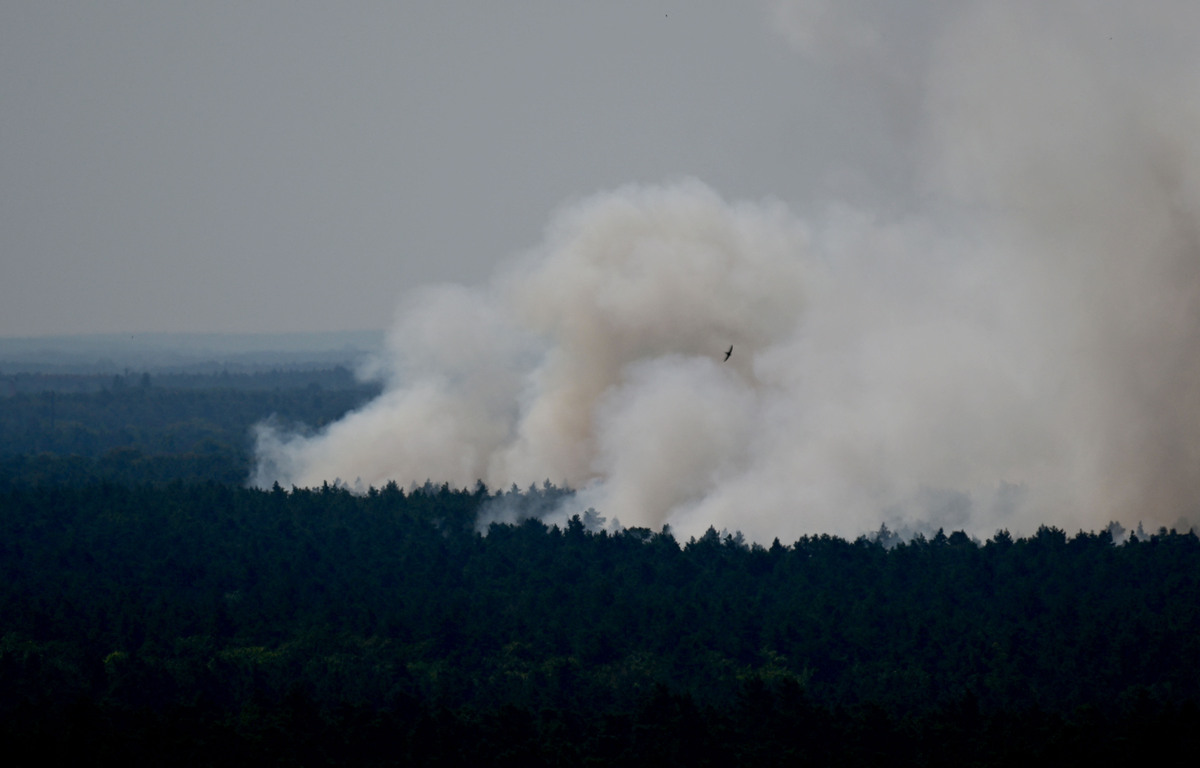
point(728, 352)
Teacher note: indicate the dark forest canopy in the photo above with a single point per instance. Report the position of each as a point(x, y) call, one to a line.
point(217, 602)
point(154, 609)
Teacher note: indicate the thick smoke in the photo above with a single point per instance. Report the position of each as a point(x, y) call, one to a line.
point(1023, 347)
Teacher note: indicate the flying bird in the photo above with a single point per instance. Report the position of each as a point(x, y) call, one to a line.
point(728, 352)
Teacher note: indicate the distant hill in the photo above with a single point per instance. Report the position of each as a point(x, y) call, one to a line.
point(198, 353)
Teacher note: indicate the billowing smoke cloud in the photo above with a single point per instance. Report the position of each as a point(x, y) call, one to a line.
point(1023, 349)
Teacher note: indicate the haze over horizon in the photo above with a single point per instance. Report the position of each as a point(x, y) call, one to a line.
point(279, 167)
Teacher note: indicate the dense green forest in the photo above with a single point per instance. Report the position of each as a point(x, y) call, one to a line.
point(149, 612)
point(166, 613)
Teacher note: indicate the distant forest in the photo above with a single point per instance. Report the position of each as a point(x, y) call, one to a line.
point(142, 427)
point(155, 610)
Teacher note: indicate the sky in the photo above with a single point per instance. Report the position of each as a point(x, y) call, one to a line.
point(300, 166)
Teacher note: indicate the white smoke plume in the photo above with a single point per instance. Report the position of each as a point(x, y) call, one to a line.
point(1022, 347)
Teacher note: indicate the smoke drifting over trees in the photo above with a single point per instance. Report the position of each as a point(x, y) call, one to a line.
point(1019, 346)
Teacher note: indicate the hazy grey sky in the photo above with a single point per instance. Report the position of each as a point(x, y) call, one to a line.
point(295, 166)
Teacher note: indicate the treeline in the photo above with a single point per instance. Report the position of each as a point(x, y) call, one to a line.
point(327, 626)
point(36, 383)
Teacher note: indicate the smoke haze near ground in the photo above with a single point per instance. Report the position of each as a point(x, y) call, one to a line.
point(1018, 348)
